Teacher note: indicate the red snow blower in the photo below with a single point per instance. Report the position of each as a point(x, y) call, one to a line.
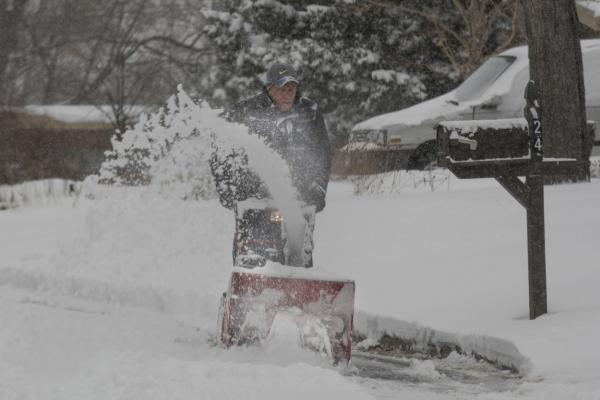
point(263, 294)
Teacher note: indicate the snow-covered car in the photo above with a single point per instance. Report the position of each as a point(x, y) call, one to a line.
point(495, 90)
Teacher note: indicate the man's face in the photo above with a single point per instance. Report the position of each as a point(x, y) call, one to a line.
point(283, 96)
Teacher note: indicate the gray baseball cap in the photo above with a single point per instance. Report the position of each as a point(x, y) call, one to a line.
point(279, 74)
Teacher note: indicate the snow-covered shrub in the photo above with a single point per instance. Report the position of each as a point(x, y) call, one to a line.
point(429, 181)
point(401, 181)
point(34, 192)
point(169, 149)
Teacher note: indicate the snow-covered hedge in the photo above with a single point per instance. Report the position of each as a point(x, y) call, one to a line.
point(401, 181)
point(418, 181)
point(169, 148)
point(595, 167)
point(34, 192)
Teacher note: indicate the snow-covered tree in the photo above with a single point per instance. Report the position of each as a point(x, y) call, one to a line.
point(167, 148)
point(354, 61)
point(356, 58)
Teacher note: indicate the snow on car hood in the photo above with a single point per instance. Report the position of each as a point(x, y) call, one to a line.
point(444, 107)
point(416, 115)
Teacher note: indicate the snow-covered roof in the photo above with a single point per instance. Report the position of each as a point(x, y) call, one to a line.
point(415, 115)
point(79, 113)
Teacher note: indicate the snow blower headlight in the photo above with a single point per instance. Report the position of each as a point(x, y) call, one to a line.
point(276, 216)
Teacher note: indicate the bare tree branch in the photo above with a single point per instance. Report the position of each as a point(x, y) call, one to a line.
point(478, 17)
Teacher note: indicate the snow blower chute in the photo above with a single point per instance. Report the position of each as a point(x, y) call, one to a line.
point(263, 293)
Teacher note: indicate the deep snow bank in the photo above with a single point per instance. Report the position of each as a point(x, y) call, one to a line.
point(431, 341)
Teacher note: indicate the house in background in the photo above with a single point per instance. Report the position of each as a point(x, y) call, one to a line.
point(42, 142)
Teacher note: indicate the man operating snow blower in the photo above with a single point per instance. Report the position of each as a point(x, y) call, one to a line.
point(267, 296)
point(293, 126)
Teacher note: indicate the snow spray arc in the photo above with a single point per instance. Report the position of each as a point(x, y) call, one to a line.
point(171, 148)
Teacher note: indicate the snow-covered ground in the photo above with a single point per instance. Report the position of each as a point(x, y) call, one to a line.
point(116, 298)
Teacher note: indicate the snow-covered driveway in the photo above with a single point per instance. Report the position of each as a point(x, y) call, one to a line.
point(117, 298)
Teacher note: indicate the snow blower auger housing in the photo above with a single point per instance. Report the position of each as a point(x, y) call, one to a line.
point(267, 298)
point(322, 310)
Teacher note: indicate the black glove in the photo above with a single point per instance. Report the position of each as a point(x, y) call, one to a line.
point(317, 196)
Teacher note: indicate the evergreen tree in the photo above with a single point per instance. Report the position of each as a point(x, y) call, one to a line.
point(355, 60)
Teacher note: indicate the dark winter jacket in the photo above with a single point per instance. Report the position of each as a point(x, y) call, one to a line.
point(299, 136)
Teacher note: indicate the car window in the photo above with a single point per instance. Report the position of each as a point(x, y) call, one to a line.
point(480, 80)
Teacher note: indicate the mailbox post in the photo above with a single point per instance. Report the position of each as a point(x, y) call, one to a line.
point(536, 236)
point(504, 150)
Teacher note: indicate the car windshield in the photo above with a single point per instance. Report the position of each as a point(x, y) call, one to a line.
point(482, 78)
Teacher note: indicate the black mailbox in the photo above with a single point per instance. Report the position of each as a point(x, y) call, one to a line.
point(506, 150)
point(503, 147)
point(468, 141)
